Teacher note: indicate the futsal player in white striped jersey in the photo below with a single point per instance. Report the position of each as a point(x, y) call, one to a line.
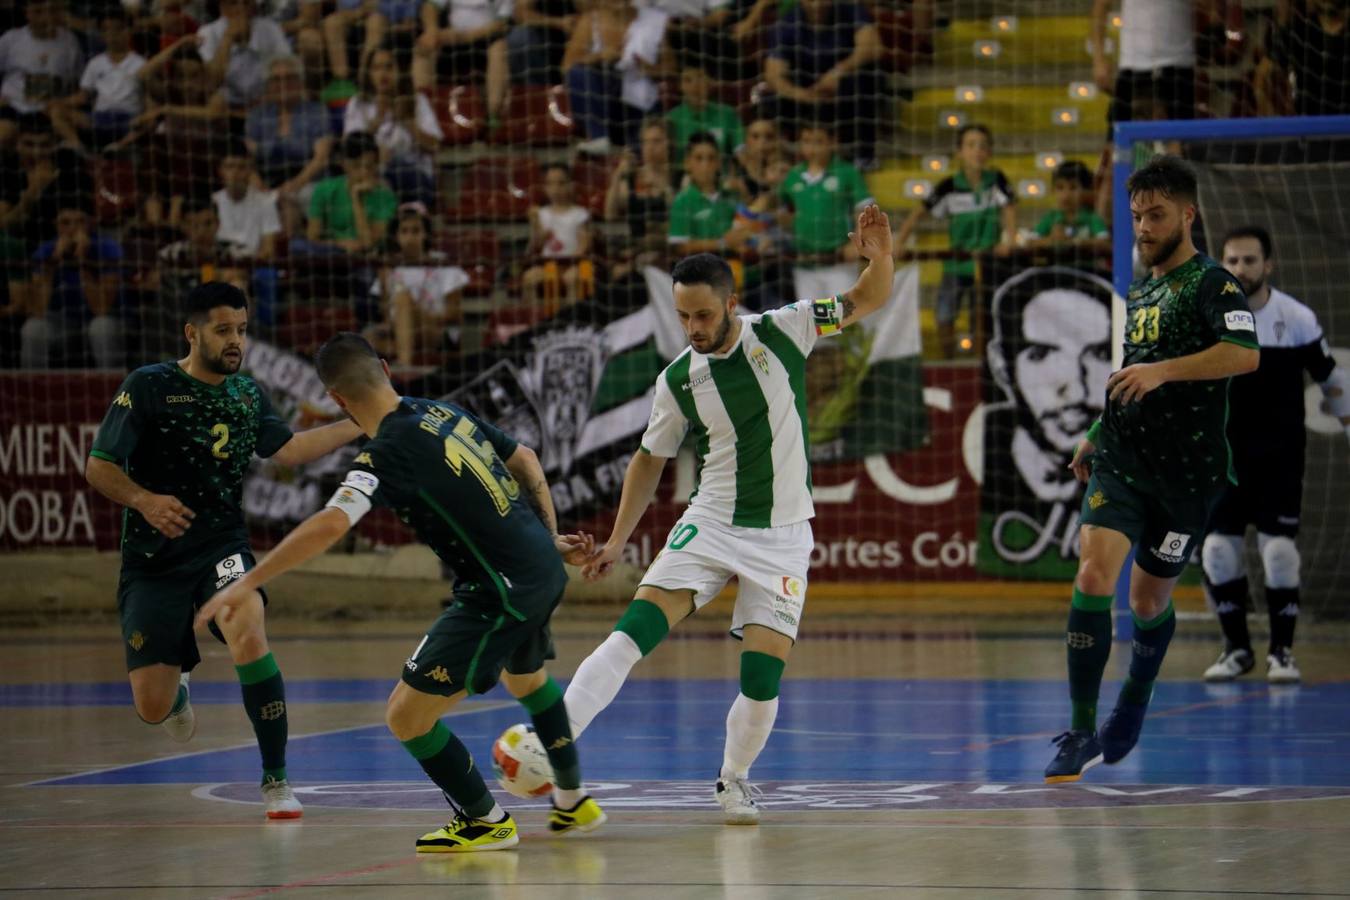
point(739, 391)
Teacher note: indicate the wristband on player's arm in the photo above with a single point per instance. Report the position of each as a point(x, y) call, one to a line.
point(1094, 432)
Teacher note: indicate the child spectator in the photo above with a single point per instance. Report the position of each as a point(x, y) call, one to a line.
point(702, 219)
point(1073, 220)
point(823, 194)
point(761, 164)
point(559, 233)
point(697, 114)
point(40, 63)
point(352, 211)
point(112, 81)
point(422, 294)
point(73, 296)
point(381, 18)
point(979, 207)
point(404, 125)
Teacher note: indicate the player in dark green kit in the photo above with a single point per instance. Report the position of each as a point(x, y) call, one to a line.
point(458, 482)
point(1155, 464)
point(173, 449)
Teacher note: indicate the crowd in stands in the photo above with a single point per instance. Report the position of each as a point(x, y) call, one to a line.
point(302, 149)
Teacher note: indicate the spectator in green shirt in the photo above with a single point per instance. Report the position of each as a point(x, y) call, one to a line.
point(1073, 221)
point(702, 218)
point(697, 114)
point(824, 194)
point(978, 205)
point(352, 211)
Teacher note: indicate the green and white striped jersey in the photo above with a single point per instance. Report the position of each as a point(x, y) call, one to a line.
point(746, 412)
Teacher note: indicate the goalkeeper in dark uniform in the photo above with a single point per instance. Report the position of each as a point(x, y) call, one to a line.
point(1155, 463)
point(173, 449)
point(480, 500)
point(1266, 428)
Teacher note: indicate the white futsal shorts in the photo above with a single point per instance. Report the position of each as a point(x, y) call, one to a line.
point(702, 555)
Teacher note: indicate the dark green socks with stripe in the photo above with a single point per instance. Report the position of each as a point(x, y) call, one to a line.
point(1146, 655)
point(447, 762)
point(265, 702)
point(1089, 647)
point(549, 715)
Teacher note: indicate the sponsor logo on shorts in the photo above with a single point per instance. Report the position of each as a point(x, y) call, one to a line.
point(179, 398)
point(271, 711)
point(783, 616)
point(1079, 640)
point(229, 569)
point(137, 640)
point(1172, 548)
point(439, 674)
point(364, 482)
point(1238, 319)
point(793, 586)
point(1097, 500)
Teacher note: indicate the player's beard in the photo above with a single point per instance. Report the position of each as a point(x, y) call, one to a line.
point(1162, 250)
point(720, 337)
point(220, 364)
point(1251, 287)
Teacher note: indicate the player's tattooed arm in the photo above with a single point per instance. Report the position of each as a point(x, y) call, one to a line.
point(525, 468)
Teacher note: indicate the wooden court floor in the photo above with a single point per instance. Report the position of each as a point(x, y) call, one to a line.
point(906, 763)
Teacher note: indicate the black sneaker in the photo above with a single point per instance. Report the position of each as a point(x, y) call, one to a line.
point(1078, 752)
point(1120, 732)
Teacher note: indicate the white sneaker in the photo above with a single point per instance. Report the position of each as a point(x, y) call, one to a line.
point(182, 725)
point(594, 147)
point(1280, 668)
point(736, 795)
point(280, 799)
point(1231, 663)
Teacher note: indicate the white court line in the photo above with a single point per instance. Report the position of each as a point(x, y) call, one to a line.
point(487, 707)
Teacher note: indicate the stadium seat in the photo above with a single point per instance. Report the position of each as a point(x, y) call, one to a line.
point(535, 115)
point(477, 252)
point(459, 110)
point(498, 189)
point(115, 193)
point(304, 326)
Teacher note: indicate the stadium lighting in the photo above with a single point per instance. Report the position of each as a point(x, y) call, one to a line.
point(1004, 24)
point(935, 164)
point(950, 118)
point(1082, 90)
point(969, 93)
point(1064, 116)
point(1049, 160)
point(987, 49)
point(1116, 20)
point(1031, 187)
point(918, 188)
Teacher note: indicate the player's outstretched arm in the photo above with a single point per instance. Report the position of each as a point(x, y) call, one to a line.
point(1222, 360)
point(164, 512)
point(307, 446)
point(639, 487)
point(524, 466)
point(314, 535)
point(873, 241)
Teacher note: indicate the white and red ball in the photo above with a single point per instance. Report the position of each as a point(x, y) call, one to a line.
point(520, 763)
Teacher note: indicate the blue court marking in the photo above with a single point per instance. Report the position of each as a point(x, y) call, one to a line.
point(118, 693)
point(857, 731)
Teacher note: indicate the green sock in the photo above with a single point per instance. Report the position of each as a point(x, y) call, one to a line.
point(1146, 655)
point(1089, 647)
point(549, 715)
point(179, 701)
point(265, 702)
point(447, 762)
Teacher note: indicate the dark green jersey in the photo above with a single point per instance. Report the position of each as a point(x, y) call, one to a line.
point(176, 435)
point(442, 471)
point(1173, 442)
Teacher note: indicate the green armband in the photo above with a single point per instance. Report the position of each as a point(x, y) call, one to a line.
point(1094, 432)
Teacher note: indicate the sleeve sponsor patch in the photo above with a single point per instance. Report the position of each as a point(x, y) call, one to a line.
point(351, 502)
point(826, 314)
point(1239, 320)
point(364, 482)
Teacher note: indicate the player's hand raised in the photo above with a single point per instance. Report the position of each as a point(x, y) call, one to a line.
point(1078, 465)
point(576, 549)
point(872, 239)
point(1131, 383)
point(601, 562)
point(227, 600)
point(166, 514)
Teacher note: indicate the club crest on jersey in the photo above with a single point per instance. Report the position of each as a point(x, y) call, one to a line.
point(761, 360)
point(229, 569)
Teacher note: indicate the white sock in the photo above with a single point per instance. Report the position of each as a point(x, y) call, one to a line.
point(598, 679)
point(748, 725)
point(494, 815)
point(567, 800)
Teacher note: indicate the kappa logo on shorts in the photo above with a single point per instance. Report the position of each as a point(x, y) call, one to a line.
point(137, 640)
point(229, 569)
point(439, 674)
point(1097, 500)
point(1172, 548)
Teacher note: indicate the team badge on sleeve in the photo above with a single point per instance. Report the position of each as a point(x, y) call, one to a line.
point(827, 316)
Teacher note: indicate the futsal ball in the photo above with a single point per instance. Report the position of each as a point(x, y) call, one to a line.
point(520, 763)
